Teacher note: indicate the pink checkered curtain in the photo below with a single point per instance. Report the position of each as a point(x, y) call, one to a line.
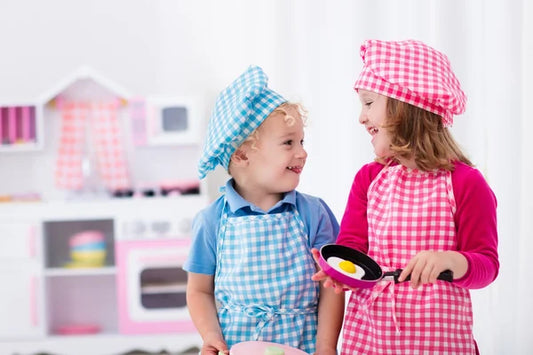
point(101, 119)
point(111, 160)
point(68, 174)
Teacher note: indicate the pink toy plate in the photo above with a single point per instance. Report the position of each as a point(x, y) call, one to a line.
point(77, 329)
point(259, 347)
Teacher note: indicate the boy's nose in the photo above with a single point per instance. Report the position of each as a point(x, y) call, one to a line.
point(302, 153)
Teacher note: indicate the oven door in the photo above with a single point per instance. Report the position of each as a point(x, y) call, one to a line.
point(152, 286)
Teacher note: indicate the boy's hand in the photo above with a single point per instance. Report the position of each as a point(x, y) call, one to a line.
point(326, 352)
point(214, 344)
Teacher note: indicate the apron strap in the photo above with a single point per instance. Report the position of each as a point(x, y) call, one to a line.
point(266, 313)
point(382, 287)
point(221, 232)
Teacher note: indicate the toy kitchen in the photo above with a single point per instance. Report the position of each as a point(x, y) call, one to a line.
point(98, 197)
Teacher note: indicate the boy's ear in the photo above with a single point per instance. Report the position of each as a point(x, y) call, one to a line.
point(239, 158)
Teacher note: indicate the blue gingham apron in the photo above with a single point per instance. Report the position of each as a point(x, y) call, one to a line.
point(263, 280)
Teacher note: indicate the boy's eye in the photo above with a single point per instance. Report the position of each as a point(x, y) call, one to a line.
point(288, 142)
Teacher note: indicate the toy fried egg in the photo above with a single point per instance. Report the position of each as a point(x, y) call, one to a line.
point(346, 267)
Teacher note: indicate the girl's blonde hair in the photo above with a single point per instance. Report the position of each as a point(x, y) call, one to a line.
point(420, 134)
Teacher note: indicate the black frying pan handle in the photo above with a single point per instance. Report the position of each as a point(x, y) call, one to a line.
point(446, 275)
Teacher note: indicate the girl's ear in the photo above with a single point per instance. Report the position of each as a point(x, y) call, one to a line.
point(239, 158)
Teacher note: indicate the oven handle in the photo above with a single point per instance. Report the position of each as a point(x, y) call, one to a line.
point(161, 259)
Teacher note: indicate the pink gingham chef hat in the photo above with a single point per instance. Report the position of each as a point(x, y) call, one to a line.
point(412, 72)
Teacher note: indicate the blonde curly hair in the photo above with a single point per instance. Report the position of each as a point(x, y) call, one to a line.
point(282, 109)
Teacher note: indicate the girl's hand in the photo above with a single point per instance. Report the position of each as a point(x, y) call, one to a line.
point(213, 344)
point(320, 275)
point(426, 266)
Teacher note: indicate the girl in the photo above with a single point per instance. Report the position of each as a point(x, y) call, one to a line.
point(250, 264)
point(420, 206)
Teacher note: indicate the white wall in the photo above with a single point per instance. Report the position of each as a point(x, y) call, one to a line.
point(310, 50)
point(523, 239)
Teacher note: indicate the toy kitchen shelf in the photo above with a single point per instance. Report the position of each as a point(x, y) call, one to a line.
point(20, 127)
point(49, 306)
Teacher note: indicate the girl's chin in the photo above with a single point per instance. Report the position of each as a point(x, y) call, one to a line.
point(382, 154)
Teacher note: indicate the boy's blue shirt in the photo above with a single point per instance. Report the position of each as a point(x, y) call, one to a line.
point(320, 223)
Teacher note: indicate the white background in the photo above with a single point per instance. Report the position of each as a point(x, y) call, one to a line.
point(310, 50)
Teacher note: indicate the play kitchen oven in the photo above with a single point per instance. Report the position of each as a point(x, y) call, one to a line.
point(151, 282)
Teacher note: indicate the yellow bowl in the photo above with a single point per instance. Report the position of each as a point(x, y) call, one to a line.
point(89, 256)
point(82, 265)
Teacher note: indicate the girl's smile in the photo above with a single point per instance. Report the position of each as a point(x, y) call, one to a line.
point(373, 116)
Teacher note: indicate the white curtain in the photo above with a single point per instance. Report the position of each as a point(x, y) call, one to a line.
point(488, 46)
point(310, 49)
point(523, 241)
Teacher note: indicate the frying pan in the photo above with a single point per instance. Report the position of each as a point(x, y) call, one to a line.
point(373, 272)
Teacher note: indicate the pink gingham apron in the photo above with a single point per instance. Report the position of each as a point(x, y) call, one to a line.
point(409, 211)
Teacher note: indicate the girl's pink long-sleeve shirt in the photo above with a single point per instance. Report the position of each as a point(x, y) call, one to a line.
point(475, 221)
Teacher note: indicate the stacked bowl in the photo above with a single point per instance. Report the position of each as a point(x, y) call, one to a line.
point(87, 249)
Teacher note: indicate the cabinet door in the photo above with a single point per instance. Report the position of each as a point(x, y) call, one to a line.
point(19, 241)
point(21, 302)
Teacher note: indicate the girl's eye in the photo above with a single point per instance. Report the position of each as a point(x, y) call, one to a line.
point(368, 104)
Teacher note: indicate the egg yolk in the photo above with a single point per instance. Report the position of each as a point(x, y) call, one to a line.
point(347, 266)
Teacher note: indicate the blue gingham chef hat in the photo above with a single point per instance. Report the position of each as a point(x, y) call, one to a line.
point(239, 110)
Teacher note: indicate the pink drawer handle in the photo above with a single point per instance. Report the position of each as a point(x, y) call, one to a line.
point(161, 259)
point(33, 302)
point(31, 242)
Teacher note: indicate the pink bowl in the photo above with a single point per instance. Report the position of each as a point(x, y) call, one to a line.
point(88, 236)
